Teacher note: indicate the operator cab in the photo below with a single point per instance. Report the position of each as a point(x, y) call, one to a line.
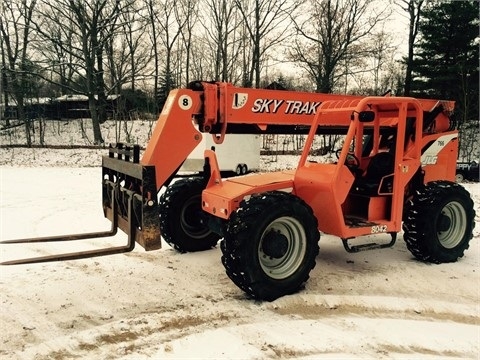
point(370, 197)
point(377, 176)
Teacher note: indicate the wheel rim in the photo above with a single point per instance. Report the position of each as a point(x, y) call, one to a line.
point(454, 216)
point(458, 177)
point(190, 219)
point(285, 264)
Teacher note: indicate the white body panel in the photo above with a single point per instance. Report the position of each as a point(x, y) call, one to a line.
point(238, 152)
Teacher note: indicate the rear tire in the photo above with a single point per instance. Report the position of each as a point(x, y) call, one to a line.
point(244, 169)
point(459, 177)
point(270, 245)
point(238, 169)
point(439, 222)
point(180, 217)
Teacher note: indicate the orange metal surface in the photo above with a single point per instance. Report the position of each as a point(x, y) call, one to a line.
point(267, 107)
point(376, 207)
point(222, 198)
point(222, 103)
point(174, 136)
point(325, 187)
point(440, 158)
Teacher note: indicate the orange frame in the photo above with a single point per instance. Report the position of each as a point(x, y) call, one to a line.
point(327, 186)
point(322, 186)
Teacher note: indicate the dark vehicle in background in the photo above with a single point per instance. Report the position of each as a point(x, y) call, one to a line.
point(467, 171)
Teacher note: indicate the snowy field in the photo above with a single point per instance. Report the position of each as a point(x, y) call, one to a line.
point(378, 304)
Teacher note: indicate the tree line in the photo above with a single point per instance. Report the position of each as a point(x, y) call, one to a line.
point(99, 48)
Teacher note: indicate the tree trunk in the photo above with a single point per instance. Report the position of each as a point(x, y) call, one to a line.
point(409, 60)
point(4, 84)
point(22, 117)
point(414, 8)
point(97, 133)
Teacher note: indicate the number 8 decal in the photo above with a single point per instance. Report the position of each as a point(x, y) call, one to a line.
point(185, 102)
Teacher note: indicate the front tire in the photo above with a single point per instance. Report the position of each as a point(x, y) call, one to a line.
point(270, 245)
point(439, 222)
point(181, 223)
point(238, 169)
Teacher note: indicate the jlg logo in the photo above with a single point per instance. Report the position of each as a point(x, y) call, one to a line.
point(290, 106)
point(429, 160)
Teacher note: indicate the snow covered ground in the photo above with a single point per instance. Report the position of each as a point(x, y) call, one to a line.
point(162, 304)
point(166, 305)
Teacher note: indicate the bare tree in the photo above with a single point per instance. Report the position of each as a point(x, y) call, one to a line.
point(15, 30)
point(329, 34)
point(189, 9)
point(4, 80)
point(267, 25)
point(200, 67)
point(127, 54)
point(393, 76)
point(414, 10)
point(221, 33)
point(153, 26)
point(167, 23)
point(53, 50)
point(90, 26)
point(381, 50)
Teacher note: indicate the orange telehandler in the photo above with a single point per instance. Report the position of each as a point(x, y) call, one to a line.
point(395, 169)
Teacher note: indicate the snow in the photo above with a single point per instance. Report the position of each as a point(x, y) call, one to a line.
point(166, 305)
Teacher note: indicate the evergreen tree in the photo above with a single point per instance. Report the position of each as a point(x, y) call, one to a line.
point(167, 83)
point(446, 58)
